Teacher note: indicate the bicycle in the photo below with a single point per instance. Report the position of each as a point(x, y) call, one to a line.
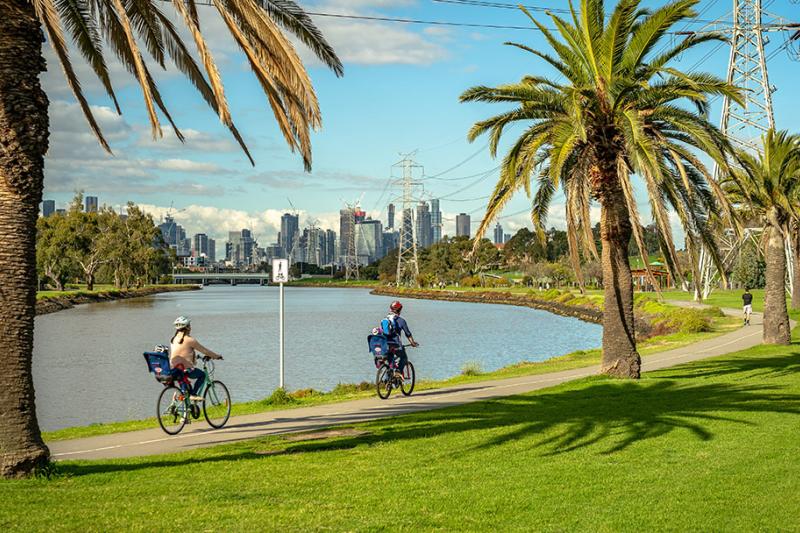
point(175, 409)
point(386, 378)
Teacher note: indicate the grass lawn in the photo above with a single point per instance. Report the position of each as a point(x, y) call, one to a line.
point(707, 446)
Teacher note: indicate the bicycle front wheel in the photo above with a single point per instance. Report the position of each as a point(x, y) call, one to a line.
point(217, 404)
point(172, 410)
point(409, 379)
point(383, 382)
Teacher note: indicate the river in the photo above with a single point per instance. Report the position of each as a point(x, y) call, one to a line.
point(88, 365)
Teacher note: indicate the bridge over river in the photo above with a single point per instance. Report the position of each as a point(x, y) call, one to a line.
point(232, 278)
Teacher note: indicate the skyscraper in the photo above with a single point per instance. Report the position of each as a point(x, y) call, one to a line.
point(290, 231)
point(462, 225)
point(174, 236)
point(240, 248)
point(212, 250)
point(90, 204)
point(436, 222)
point(48, 207)
point(498, 234)
point(331, 247)
point(390, 221)
point(369, 241)
point(200, 245)
point(424, 229)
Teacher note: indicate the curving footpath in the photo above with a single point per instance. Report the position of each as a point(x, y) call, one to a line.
point(154, 441)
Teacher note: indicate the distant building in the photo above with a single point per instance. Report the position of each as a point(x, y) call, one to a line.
point(240, 248)
point(390, 221)
point(424, 228)
point(331, 248)
point(175, 236)
point(348, 217)
point(90, 204)
point(436, 222)
point(203, 246)
point(391, 240)
point(48, 208)
point(290, 232)
point(369, 241)
point(499, 236)
point(506, 238)
point(462, 225)
point(61, 211)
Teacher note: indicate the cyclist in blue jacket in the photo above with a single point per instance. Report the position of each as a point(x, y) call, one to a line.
point(393, 326)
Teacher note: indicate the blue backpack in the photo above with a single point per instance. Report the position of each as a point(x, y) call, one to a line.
point(388, 326)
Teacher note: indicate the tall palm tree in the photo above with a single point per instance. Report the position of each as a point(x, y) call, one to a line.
point(767, 188)
point(617, 109)
point(121, 26)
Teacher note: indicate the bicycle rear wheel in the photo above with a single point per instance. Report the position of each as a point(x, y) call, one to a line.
point(171, 410)
point(409, 379)
point(383, 382)
point(217, 404)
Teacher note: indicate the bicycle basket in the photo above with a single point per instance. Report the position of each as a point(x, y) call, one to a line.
point(158, 365)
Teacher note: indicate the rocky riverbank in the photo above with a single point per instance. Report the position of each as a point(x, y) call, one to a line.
point(585, 313)
point(52, 304)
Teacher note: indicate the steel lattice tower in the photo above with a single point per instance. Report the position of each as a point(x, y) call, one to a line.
point(743, 124)
point(407, 263)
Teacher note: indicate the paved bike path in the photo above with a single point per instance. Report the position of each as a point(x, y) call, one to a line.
point(197, 435)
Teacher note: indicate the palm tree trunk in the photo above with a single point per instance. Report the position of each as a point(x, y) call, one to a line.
point(796, 272)
point(776, 316)
point(23, 143)
point(620, 358)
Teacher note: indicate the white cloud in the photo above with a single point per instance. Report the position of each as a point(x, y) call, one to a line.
point(182, 165)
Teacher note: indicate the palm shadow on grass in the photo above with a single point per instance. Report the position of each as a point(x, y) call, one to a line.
point(609, 414)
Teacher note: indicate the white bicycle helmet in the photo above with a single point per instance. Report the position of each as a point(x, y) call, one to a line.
point(182, 322)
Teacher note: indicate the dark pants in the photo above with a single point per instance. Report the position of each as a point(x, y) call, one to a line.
point(399, 354)
point(196, 374)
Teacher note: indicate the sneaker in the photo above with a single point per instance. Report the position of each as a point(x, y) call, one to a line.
point(196, 398)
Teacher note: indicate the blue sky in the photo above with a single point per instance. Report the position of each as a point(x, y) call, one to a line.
point(399, 94)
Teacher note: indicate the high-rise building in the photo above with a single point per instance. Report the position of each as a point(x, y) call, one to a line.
point(347, 218)
point(175, 236)
point(331, 247)
point(61, 211)
point(312, 246)
point(498, 234)
point(424, 228)
point(240, 248)
point(290, 232)
point(212, 250)
point(436, 222)
point(390, 221)
point(48, 208)
point(369, 241)
point(391, 240)
point(90, 204)
point(462, 225)
point(202, 246)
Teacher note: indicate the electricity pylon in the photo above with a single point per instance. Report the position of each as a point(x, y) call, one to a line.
point(407, 262)
point(744, 124)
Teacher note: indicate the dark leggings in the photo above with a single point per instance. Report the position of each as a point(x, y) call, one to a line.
point(196, 374)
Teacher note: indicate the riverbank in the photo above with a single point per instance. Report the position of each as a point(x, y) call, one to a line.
point(329, 283)
point(54, 301)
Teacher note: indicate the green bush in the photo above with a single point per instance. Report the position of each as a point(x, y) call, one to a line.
point(565, 297)
point(471, 281)
point(471, 368)
point(689, 321)
point(279, 397)
point(350, 388)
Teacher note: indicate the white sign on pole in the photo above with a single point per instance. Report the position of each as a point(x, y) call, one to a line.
point(280, 271)
point(280, 275)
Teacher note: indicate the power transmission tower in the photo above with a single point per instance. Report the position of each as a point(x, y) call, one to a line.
point(407, 262)
point(351, 257)
point(744, 124)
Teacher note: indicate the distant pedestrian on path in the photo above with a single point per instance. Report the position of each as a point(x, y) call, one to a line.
point(747, 300)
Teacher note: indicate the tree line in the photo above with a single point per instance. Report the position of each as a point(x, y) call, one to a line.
point(100, 247)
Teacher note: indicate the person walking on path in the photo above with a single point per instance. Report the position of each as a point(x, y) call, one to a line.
point(747, 300)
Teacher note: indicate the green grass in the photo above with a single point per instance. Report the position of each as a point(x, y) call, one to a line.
point(98, 288)
point(344, 392)
point(708, 446)
point(324, 282)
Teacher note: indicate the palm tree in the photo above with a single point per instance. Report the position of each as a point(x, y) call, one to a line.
point(619, 111)
point(257, 26)
point(767, 188)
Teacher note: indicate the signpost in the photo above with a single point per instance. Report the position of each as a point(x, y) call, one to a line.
point(280, 275)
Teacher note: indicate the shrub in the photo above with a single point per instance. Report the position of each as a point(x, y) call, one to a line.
point(350, 388)
point(471, 281)
point(565, 297)
point(304, 393)
point(689, 321)
point(550, 294)
point(279, 397)
point(471, 368)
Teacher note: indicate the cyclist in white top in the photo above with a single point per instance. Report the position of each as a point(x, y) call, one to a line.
point(183, 354)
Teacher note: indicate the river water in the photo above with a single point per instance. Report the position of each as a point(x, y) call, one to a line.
point(88, 365)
